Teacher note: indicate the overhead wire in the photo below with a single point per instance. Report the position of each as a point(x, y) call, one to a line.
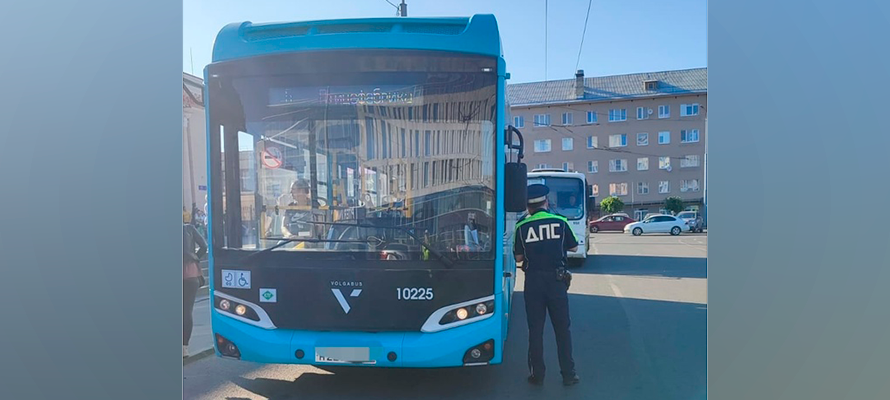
point(583, 33)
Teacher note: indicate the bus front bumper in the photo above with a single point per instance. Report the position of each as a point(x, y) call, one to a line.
point(412, 349)
point(580, 253)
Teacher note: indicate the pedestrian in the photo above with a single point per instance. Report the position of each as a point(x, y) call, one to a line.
point(540, 244)
point(192, 278)
point(194, 213)
point(186, 216)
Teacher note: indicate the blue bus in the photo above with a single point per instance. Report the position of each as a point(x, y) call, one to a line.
point(359, 174)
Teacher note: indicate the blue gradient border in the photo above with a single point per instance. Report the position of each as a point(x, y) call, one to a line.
point(90, 213)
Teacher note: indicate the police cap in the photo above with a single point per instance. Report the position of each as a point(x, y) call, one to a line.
point(537, 193)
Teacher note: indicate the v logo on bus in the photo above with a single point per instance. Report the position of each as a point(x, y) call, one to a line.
point(338, 293)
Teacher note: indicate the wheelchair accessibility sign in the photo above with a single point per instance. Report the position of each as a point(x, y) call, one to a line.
point(235, 279)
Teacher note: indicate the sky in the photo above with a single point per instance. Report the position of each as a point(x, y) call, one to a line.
point(623, 36)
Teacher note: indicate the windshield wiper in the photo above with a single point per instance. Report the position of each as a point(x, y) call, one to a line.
point(285, 241)
point(441, 257)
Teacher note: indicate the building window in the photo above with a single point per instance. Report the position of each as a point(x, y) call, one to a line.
point(642, 113)
point(567, 118)
point(543, 166)
point(596, 190)
point(618, 189)
point(664, 111)
point(592, 142)
point(519, 121)
point(619, 140)
point(568, 167)
point(689, 185)
point(688, 110)
point(592, 166)
point(689, 161)
point(542, 145)
point(542, 120)
point(642, 187)
point(617, 114)
point(689, 136)
point(642, 139)
point(664, 187)
point(664, 163)
point(664, 137)
point(568, 143)
point(617, 165)
point(384, 142)
point(370, 136)
point(404, 144)
point(643, 164)
point(640, 214)
point(591, 117)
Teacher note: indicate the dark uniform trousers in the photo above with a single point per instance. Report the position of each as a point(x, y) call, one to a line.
point(543, 294)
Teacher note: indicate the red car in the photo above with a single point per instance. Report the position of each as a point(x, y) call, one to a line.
point(611, 222)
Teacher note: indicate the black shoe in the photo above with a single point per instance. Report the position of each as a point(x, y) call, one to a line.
point(534, 380)
point(571, 380)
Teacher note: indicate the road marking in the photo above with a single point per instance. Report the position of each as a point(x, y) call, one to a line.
point(615, 288)
point(694, 246)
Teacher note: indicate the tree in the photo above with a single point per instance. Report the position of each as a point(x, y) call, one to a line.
point(673, 204)
point(611, 205)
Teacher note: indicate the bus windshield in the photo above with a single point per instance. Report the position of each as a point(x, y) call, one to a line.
point(566, 196)
point(338, 148)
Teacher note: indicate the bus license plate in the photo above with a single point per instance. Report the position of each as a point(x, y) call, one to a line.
point(343, 355)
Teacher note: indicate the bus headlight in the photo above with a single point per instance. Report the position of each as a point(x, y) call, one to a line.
point(459, 314)
point(467, 312)
point(234, 307)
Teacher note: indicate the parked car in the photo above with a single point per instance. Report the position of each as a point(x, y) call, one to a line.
point(693, 220)
point(611, 222)
point(656, 223)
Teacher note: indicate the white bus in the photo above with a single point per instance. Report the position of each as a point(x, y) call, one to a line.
point(568, 197)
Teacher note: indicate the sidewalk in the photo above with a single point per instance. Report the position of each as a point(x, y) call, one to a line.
point(201, 342)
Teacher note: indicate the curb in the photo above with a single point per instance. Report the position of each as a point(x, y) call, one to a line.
point(198, 356)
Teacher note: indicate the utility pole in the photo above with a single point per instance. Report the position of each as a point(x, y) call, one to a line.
point(403, 9)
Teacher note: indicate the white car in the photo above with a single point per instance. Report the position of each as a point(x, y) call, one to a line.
point(657, 223)
point(693, 220)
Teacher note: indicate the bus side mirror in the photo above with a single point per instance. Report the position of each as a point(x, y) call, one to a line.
point(515, 173)
point(515, 186)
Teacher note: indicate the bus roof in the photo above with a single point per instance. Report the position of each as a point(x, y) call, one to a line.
point(475, 35)
point(536, 174)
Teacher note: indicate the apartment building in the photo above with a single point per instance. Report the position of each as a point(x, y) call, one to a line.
point(194, 142)
point(640, 136)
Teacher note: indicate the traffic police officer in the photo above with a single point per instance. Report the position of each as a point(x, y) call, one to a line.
point(540, 244)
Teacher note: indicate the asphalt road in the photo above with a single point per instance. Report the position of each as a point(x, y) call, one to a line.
point(639, 326)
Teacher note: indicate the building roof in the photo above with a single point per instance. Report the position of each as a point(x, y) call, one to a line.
point(613, 87)
point(192, 91)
